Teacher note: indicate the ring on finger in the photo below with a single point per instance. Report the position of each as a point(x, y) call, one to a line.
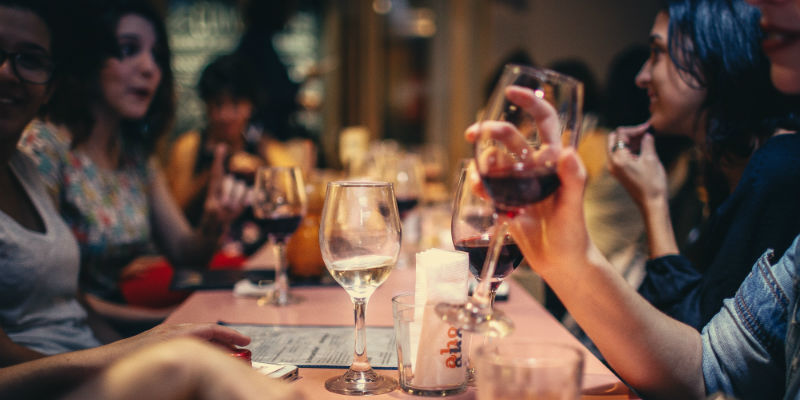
point(619, 145)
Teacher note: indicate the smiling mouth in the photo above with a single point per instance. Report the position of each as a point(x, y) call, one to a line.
point(777, 38)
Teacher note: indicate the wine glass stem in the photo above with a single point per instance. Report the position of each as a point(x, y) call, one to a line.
point(360, 361)
point(281, 278)
point(484, 293)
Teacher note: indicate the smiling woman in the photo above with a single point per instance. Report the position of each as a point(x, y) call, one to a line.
point(95, 150)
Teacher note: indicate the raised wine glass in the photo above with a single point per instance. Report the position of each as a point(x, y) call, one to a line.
point(360, 240)
point(516, 156)
point(279, 205)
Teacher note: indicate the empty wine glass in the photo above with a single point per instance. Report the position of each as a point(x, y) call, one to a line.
point(360, 240)
point(516, 156)
point(279, 205)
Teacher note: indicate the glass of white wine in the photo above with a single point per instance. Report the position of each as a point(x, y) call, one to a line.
point(360, 240)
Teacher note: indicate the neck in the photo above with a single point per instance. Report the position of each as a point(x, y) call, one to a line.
point(102, 144)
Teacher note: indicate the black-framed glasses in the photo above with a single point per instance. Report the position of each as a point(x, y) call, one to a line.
point(29, 67)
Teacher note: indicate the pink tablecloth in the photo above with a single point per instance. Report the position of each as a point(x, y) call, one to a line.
point(332, 306)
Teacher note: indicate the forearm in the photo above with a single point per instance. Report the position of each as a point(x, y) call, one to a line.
point(655, 354)
point(660, 235)
point(52, 376)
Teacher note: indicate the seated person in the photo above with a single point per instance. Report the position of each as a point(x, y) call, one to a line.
point(749, 349)
point(95, 151)
point(226, 88)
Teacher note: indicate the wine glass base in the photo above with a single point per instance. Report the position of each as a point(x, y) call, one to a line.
point(275, 299)
point(476, 318)
point(367, 383)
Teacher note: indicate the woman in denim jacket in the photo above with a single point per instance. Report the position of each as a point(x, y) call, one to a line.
point(748, 349)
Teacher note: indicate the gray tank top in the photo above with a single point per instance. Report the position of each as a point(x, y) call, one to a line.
point(39, 276)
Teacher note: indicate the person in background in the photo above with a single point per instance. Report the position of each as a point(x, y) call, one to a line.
point(749, 349)
point(95, 152)
point(226, 88)
point(39, 312)
point(703, 56)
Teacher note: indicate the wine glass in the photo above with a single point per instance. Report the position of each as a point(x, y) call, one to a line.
point(279, 205)
point(516, 156)
point(360, 240)
point(408, 176)
point(472, 228)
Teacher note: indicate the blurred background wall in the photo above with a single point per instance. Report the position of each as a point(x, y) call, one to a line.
point(410, 70)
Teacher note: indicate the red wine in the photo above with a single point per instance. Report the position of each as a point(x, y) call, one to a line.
point(478, 248)
point(405, 205)
point(280, 227)
point(518, 191)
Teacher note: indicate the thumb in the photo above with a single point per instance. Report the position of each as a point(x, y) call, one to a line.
point(648, 145)
point(572, 174)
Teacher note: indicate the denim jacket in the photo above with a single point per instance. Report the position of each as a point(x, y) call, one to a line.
point(750, 350)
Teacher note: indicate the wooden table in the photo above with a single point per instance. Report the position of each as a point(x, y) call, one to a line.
point(330, 305)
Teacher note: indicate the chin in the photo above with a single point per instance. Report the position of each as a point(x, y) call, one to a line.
point(786, 79)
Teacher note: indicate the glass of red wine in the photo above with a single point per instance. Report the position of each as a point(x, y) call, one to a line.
point(279, 205)
point(531, 116)
point(472, 228)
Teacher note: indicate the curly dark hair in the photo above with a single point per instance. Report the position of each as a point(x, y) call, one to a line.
point(94, 42)
point(716, 45)
point(228, 74)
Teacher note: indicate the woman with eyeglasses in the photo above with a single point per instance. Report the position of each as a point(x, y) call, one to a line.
point(39, 257)
point(96, 151)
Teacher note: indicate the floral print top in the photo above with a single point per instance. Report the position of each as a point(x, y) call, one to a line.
point(107, 210)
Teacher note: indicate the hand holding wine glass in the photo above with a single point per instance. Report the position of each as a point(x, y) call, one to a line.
point(359, 238)
point(532, 116)
point(279, 205)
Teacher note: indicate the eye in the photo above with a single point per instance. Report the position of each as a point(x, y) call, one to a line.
point(655, 51)
point(33, 61)
point(128, 49)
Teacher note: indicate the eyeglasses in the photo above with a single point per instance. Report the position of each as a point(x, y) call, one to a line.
point(29, 67)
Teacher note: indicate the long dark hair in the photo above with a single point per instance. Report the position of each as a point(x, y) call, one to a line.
point(716, 45)
point(95, 43)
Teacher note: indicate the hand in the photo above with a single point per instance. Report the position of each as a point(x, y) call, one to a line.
point(227, 197)
point(551, 233)
point(140, 266)
point(642, 175)
point(180, 369)
point(519, 155)
point(214, 333)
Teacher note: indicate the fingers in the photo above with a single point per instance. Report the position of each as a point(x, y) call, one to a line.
point(217, 169)
point(220, 334)
point(648, 145)
point(542, 112)
point(626, 138)
point(572, 174)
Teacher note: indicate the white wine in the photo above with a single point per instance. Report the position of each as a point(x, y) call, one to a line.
point(361, 275)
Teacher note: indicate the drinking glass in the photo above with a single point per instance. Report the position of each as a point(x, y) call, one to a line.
point(472, 228)
point(279, 205)
point(360, 240)
point(525, 369)
point(516, 160)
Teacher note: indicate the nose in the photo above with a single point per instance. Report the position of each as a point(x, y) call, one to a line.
point(148, 65)
point(6, 70)
point(644, 75)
